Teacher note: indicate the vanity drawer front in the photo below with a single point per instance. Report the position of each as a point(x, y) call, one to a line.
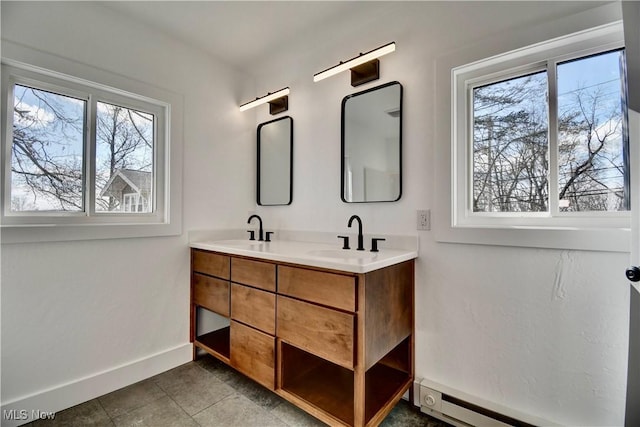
point(254, 273)
point(253, 354)
point(334, 290)
point(211, 293)
point(210, 263)
point(254, 307)
point(324, 332)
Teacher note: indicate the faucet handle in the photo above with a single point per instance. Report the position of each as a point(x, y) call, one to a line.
point(374, 243)
point(345, 242)
point(268, 236)
point(252, 234)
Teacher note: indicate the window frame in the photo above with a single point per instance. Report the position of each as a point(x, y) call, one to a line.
point(9, 80)
point(543, 56)
point(34, 226)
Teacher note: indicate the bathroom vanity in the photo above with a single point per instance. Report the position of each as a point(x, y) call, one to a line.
point(330, 331)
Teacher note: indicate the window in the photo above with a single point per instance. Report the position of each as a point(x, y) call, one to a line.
point(540, 136)
point(47, 151)
point(125, 140)
point(134, 202)
point(79, 153)
point(593, 140)
point(510, 145)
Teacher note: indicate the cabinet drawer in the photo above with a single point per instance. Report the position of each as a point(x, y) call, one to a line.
point(324, 332)
point(253, 354)
point(254, 273)
point(211, 293)
point(254, 307)
point(334, 290)
point(210, 263)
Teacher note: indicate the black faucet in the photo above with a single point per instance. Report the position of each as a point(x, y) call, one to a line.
point(360, 236)
point(260, 232)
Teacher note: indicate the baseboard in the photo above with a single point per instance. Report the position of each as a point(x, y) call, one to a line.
point(25, 409)
point(460, 409)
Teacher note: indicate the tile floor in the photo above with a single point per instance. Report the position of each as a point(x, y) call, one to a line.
point(204, 393)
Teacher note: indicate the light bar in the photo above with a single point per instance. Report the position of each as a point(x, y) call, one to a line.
point(265, 99)
point(354, 62)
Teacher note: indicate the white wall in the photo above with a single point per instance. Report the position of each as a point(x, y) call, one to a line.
point(83, 318)
point(541, 331)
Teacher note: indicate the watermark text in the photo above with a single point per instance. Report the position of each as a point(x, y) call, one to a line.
point(24, 414)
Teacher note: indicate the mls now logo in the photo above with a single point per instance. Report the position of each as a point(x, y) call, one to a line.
point(23, 414)
point(15, 414)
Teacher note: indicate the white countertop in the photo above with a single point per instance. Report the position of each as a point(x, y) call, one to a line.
point(315, 254)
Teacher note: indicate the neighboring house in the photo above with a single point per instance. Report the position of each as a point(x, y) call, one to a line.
point(131, 188)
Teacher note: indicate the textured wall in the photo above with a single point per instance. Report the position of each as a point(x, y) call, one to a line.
point(543, 331)
point(67, 313)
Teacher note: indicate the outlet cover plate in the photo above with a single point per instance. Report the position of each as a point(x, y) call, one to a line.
point(423, 219)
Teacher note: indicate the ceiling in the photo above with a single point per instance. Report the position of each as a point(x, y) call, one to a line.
point(243, 33)
point(239, 32)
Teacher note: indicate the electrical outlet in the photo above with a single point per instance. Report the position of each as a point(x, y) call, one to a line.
point(423, 219)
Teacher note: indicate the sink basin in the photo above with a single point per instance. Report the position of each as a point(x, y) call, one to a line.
point(342, 254)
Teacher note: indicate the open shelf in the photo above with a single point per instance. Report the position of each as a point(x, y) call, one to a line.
point(330, 387)
point(383, 384)
point(322, 384)
point(215, 343)
point(388, 379)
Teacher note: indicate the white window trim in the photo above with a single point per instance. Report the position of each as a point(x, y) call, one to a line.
point(583, 231)
point(167, 220)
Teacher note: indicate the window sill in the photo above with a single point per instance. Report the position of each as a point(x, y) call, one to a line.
point(61, 233)
point(567, 238)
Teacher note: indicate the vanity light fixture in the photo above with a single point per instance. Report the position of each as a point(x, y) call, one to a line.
point(364, 67)
point(278, 101)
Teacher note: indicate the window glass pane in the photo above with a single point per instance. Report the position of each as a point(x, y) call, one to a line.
point(47, 151)
point(510, 145)
point(590, 134)
point(124, 159)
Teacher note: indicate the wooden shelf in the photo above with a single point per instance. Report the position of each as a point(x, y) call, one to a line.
point(383, 385)
point(388, 380)
point(330, 387)
point(215, 343)
point(320, 383)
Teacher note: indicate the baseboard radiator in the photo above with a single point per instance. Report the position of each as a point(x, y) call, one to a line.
point(461, 410)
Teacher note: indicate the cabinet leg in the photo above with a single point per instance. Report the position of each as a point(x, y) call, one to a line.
point(359, 397)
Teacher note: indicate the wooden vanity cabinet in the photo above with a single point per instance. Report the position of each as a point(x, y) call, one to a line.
point(254, 308)
point(319, 330)
point(253, 353)
point(337, 344)
point(356, 375)
point(258, 274)
point(319, 287)
point(211, 293)
point(253, 322)
point(210, 290)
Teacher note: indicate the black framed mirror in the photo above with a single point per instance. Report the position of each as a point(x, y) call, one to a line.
point(371, 154)
point(275, 162)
